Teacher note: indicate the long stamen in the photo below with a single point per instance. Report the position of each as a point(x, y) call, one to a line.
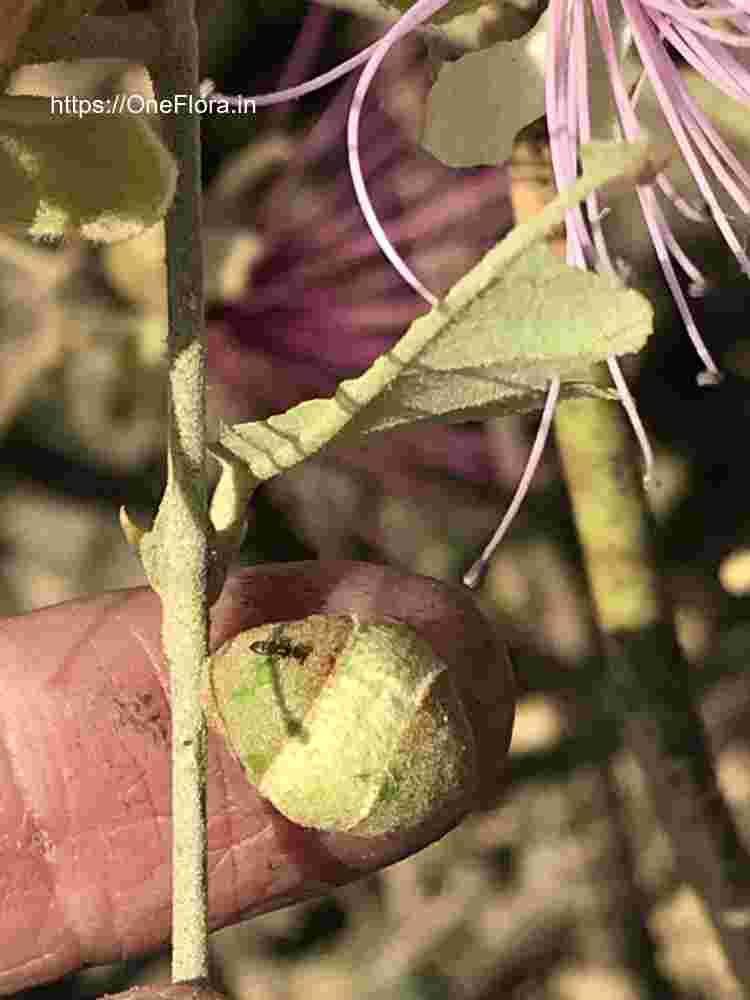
point(691, 14)
point(420, 11)
point(372, 57)
point(654, 220)
point(473, 577)
point(292, 93)
point(307, 46)
point(562, 126)
point(415, 16)
point(575, 90)
point(694, 212)
point(687, 17)
point(680, 110)
point(634, 417)
point(712, 61)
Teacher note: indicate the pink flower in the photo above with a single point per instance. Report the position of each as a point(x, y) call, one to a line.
point(657, 28)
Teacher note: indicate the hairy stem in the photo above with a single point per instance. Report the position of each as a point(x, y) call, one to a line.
point(182, 520)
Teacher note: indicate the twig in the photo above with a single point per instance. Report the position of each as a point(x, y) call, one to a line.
point(181, 524)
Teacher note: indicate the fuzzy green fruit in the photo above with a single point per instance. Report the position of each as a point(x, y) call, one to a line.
point(344, 725)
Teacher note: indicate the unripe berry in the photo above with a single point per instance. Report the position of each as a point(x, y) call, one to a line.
point(344, 725)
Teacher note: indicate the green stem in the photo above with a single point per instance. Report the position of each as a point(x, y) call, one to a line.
point(182, 520)
point(647, 675)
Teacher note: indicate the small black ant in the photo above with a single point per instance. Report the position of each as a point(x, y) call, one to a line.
point(280, 645)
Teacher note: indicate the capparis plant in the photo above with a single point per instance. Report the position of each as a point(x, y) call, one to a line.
point(521, 330)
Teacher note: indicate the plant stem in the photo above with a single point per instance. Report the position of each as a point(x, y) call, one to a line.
point(182, 520)
point(647, 675)
point(647, 679)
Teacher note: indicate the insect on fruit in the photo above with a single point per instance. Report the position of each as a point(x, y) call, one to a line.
point(280, 645)
point(366, 734)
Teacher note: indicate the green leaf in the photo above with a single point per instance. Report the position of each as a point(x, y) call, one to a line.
point(103, 176)
point(504, 87)
point(518, 319)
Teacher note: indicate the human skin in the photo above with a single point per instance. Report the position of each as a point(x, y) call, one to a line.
point(85, 838)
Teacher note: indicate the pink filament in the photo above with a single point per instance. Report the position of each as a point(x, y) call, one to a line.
point(568, 114)
point(473, 576)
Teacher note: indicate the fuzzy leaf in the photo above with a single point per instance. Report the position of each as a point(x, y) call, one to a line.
point(518, 319)
point(105, 177)
point(504, 87)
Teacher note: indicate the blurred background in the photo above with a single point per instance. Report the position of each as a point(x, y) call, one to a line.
point(547, 895)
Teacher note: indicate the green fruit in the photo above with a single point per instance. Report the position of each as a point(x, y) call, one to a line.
point(344, 725)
